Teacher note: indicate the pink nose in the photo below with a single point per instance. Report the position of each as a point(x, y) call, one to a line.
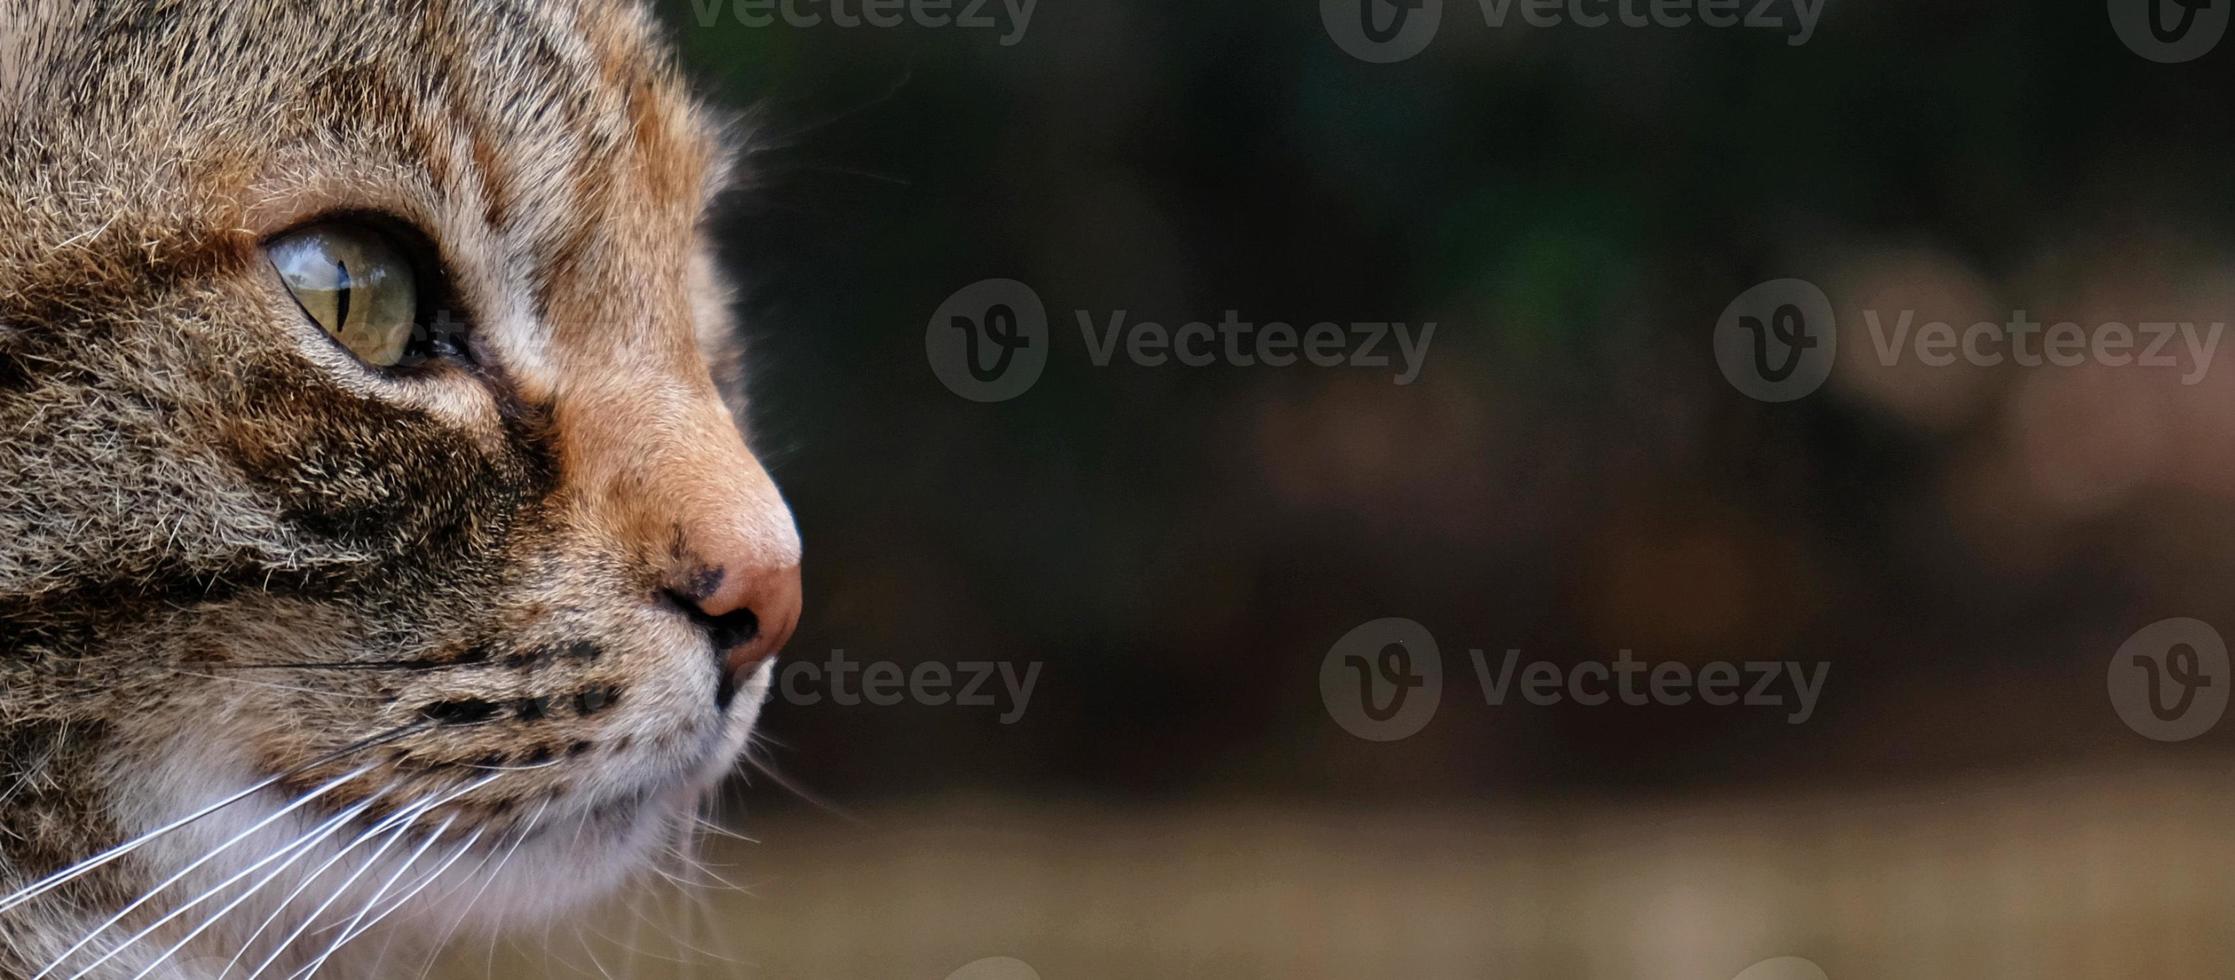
point(749, 608)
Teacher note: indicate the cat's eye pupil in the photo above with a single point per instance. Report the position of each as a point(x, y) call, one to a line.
point(341, 295)
point(356, 283)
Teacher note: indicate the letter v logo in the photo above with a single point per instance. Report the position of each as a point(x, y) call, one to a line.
point(989, 341)
point(1381, 31)
point(2170, 31)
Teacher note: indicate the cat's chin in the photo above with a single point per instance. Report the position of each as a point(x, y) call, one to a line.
point(565, 869)
point(576, 859)
point(547, 863)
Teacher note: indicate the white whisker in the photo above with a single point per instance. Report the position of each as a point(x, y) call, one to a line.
point(387, 840)
point(527, 830)
point(347, 931)
point(715, 827)
point(295, 851)
point(401, 821)
point(726, 950)
point(64, 876)
point(464, 881)
point(96, 932)
point(50, 882)
point(422, 885)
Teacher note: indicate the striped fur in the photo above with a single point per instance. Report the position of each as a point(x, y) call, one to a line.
point(194, 482)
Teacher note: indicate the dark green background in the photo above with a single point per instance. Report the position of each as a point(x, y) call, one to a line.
point(1574, 208)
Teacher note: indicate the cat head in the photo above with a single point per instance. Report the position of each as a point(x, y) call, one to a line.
point(369, 433)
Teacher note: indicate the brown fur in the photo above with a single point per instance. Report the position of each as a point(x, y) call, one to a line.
point(193, 483)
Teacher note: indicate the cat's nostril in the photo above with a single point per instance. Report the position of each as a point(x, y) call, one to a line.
point(725, 630)
point(743, 589)
point(747, 617)
point(732, 636)
point(732, 630)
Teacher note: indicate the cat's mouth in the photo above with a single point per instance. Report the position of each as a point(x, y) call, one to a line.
point(681, 785)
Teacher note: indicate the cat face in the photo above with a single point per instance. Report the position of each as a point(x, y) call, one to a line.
point(507, 578)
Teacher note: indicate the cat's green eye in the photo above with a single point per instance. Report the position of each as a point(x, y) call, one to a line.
point(356, 284)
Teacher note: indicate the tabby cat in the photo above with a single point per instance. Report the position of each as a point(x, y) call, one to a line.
point(380, 555)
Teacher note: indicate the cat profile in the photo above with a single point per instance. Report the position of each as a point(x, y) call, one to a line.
point(380, 552)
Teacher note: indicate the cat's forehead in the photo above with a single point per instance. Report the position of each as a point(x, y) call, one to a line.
point(548, 147)
point(533, 110)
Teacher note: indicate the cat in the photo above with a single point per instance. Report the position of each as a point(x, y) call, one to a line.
point(381, 554)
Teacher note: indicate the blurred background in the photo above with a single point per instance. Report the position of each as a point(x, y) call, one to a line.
point(1176, 550)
